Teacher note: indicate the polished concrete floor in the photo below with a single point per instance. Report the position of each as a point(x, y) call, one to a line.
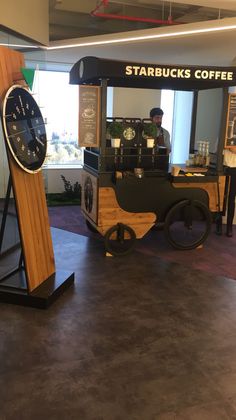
point(217, 255)
point(136, 338)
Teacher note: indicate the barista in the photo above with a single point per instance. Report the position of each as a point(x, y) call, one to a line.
point(163, 136)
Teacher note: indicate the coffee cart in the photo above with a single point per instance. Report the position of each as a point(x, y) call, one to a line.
point(127, 188)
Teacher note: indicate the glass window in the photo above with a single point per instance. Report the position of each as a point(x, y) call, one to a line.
point(59, 105)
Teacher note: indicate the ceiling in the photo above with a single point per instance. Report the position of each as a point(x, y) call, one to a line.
point(74, 19)
point(71, 23)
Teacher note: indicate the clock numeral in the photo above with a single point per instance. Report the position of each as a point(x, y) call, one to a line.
point(32, 112)
point(18, 139)
point(27, 105)
point(14, 127)
point(14, 116)
point(18, 109)
point(22, 147)
point(28, 153)
point(37, 148)
point(21, 104)
point(39, 131)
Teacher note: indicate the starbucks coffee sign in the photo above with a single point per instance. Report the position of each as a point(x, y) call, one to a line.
point(151, 75)
point(177, 73)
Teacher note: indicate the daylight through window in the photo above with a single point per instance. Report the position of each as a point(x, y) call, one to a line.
point(59, 105)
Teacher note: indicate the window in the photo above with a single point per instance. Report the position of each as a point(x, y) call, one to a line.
point(59, 102)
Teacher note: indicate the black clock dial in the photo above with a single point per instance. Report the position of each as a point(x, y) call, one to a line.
point(24, 128)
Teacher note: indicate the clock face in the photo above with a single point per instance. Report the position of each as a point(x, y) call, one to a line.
point(24, 129)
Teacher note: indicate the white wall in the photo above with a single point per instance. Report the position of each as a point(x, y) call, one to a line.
point(167, 105)
point(53, 182)
point(30, 19)
point(134, 103)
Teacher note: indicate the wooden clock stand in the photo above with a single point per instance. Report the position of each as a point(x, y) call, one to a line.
point(34, 280)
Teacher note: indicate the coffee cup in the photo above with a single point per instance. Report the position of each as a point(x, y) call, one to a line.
point(115, 142)
point(175, 170)
point(150, 142)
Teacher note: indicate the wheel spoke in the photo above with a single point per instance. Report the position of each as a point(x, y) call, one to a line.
point(119, 239)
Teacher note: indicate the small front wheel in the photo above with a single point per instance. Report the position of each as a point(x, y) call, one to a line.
point(188, 224)
point(119, 239)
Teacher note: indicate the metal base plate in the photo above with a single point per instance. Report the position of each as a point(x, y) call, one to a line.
point(14, 289)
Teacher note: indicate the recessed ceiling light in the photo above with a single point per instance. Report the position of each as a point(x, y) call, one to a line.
point(143, 37)
point(5, 44)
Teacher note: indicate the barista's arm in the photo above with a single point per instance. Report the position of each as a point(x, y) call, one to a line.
point(167, 141)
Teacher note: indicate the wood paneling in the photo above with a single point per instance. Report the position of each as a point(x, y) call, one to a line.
point(211, 189)
point(29, 195)
point(110, 213)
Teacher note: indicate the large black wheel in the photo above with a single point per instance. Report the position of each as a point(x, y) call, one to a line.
point(188, 224)
point(119, 239)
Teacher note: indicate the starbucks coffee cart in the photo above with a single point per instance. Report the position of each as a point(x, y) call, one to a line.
point(127, 187)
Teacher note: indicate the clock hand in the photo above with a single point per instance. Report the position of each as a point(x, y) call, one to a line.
point(39, 141)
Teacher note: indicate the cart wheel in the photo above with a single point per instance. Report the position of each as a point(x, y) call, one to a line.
point(188, 224)
point(91, 227)
point(119, 239)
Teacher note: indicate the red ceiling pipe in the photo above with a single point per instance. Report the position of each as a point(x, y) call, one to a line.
point(104, 3)
point(136, 19)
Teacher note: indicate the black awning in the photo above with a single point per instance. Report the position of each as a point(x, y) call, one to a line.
point(90, 70)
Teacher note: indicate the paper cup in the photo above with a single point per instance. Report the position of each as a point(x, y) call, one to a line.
point(175, 170)
point(150, 142)
point(115, 142)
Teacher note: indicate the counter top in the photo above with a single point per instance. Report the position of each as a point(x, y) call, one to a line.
point(193, 174)
point(193, 179)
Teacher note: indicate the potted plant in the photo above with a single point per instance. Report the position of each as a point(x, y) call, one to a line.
point(150, 133)
point(115, 130)
point(150, 130)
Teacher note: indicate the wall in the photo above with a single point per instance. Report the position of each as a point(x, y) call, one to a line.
point(30, 19)
point(209, 111)
point(134, 102)
point(181, 127)
point(53, 182)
